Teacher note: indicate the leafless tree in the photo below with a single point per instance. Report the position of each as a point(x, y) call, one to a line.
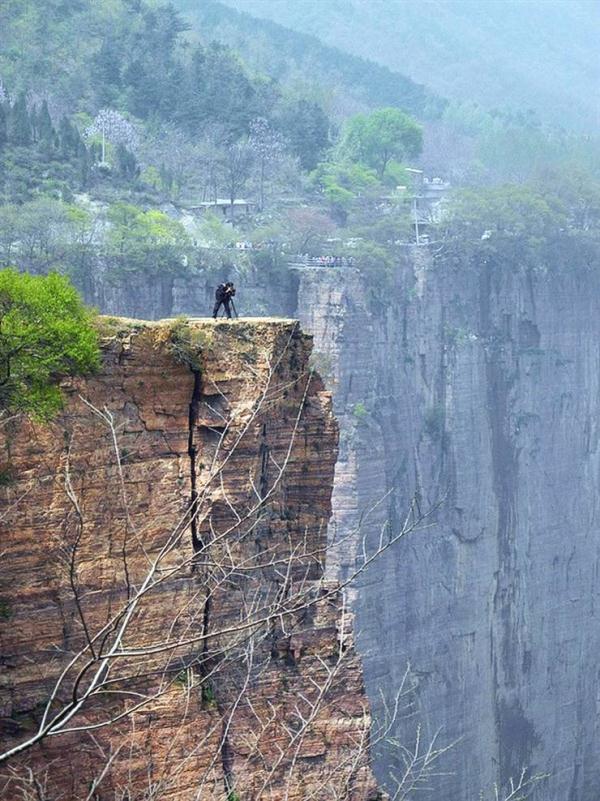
point(517, 789)
point(202, 633)
point(231, 612)
point(268, 148)
point(236, 166)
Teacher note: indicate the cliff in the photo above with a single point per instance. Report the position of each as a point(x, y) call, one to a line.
point(478, 391)
point(474, 393)
point(164, 616)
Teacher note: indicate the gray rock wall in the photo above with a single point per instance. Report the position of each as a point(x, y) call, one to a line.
point(479, 392)
point(156, 297)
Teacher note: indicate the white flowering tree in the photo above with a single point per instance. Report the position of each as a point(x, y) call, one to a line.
point(112, 127)
point(267, 147)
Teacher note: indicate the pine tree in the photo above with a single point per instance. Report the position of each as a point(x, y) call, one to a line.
point(70, 141)
point(106, 70)
point(85, 163)
point(19, 129)
point(3, 126)
point(45, 129)
point(306, 127)
point(45, 133)
point(127, 163)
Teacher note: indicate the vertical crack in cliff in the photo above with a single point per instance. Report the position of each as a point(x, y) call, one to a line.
point(227, 763)
point(197, 542)
point(204, 669)
point(263, 455)
point(193, 453)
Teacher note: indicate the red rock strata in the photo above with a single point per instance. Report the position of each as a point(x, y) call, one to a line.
point(201, 455)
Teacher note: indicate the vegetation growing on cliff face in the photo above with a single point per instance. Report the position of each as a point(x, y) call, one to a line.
point(45, 333)
point(187, 344)
point(552, 224)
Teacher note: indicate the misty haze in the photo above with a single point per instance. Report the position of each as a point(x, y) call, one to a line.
point(299, 400)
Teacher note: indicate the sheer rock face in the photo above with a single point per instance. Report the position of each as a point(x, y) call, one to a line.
point(214, 479)
point(480, 391)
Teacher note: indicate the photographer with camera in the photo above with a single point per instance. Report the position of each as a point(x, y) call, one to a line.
point(224, 297)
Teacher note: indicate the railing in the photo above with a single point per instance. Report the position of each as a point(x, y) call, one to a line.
point(324, 262)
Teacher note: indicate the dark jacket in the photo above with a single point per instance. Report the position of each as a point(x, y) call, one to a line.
point(221, 293)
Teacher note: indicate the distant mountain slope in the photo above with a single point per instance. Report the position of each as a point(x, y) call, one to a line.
point(540, 54)
point(349, 80)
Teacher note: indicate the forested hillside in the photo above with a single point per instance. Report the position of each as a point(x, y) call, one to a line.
point(466, 141)
point(500, 53)
point(343, 81)
point(117, 117)
point(61, 63)
point(107, 113)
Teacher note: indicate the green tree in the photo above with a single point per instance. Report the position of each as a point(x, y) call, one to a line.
point(46, 332)
point(306, 127)
point(127, 163)
point(78, 245)
point(40, 230)
point(213, 232)
point(342, 182)
point(19, 122)
point(218, 90)
point(510, 227)
point(106, 70)
point(43, 124)
point(45, 134)
point(146, 241)
point(378, 138)
point(70, 141)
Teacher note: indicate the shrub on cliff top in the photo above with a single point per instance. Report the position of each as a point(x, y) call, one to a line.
point(147, 242)
point(186, 343)
point(515, 227)
point(46, 333)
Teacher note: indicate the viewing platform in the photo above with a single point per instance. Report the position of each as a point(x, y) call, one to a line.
point(322, 262)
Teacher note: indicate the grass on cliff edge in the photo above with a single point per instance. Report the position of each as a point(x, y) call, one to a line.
point(46, 333)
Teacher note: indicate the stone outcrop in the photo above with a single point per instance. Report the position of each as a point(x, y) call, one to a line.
point(154, 528)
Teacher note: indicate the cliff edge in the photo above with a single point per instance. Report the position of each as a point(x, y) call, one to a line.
point(165, 627)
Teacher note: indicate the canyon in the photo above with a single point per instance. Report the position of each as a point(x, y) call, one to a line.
point(473, 392)
point(467, 399)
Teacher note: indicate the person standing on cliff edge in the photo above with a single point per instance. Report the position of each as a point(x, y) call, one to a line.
point(224, 297)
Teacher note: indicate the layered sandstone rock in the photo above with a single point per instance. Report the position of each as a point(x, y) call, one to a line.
point(167, 534)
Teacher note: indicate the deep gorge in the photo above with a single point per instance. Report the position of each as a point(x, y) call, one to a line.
point(456, 391)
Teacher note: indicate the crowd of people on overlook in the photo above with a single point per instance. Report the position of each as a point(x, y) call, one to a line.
point(312, 261)
point(328, 261)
